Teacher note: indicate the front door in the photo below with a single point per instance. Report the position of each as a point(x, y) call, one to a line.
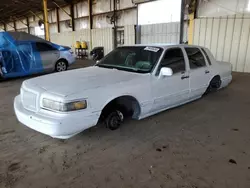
point(174, 90)
point(199, 72)
point(48, 55)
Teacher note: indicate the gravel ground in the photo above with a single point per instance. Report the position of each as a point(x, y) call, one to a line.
point(204, 144)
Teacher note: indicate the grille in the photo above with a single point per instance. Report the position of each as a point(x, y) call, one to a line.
point(28, 100)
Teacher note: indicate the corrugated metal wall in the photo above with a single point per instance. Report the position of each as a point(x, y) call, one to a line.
point(53, 28)
point(81, 23)
point(129, 35)
point(216, 8)
point(62, 15)
point(10, 27)
point(102, 6)
point(227, 38)
point(162, 33)
point(22, 30)
point(157, 33)
point(70, 38)
point(125, 17)
point(103, 37)
point(20, 25)
point(100, 37)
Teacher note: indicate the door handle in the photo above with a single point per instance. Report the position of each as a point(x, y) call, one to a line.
point(184, 77)
point(207, 71)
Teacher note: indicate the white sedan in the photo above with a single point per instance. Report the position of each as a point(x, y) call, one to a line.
point(137, 81)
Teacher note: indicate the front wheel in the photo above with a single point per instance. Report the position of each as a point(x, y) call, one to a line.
point(114, 120)
point(61, 66)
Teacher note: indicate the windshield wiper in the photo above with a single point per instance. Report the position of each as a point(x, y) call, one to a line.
point(129, 69)
point(104, 66)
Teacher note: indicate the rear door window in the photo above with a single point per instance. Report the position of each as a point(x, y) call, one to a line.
point(196, 58)
point(43, 47)
point(208, 59)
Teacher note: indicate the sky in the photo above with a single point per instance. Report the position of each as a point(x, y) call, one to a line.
point(161, 11)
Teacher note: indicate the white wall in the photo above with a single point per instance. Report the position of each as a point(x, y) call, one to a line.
point(81, 23)
point(52, 16)
point(100, 37)
point(228, 39)
point(102, 8)
point(64, 27)
point(161, 33)
point(125, 17)
point(23, 30)
point(129, 35)
point(20, 24)
point(81, 9)
point(70, 38)
point(103, 37)
point(216, 8)
point(9, 26)
point(62, 15)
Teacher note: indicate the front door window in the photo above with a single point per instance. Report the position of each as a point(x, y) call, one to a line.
point(174, 59)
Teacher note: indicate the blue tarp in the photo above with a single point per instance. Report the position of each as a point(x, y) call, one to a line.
point(18, 54)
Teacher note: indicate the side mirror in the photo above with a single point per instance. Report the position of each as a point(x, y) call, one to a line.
point(166, 72)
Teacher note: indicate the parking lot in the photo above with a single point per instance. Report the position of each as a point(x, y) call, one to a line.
point(204, 144)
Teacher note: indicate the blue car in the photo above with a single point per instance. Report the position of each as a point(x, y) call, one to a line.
point(23, 54)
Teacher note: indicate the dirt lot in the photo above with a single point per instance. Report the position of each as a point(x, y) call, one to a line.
point(204, 144)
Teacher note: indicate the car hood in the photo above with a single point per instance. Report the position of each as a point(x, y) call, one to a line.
point(79, 80)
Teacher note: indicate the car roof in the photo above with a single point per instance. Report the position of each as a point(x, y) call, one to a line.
point(23, 36)
point(164, 46)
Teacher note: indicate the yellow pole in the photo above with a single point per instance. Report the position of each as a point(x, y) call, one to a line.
point(46, 23)
point(90, 24)
point(191, 29)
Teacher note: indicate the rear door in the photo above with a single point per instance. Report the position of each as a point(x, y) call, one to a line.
point(199, 72)
point(48, 54)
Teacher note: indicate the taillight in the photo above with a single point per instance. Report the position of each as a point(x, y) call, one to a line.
point(71, 51)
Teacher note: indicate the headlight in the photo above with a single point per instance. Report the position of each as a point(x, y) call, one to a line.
point(64, 107)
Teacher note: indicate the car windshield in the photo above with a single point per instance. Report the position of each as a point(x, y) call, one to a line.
point(140, 59)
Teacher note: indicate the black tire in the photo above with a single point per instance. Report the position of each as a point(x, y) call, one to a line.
point(114, 120)
point(1, 74)
point(214, 85)
point(61, 66)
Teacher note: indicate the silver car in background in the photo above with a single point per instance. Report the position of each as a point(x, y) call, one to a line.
point(54, 58)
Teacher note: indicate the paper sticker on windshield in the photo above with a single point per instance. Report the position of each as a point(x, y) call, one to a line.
point(152, 49)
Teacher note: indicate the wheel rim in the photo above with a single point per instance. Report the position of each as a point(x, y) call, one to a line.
point(61, 66)
point(116, 121)
point(216, 84)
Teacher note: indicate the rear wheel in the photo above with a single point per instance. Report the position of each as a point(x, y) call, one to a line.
point(61, 65)
point(214, 85)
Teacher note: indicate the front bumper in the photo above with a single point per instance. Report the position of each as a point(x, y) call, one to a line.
point(62, 126)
